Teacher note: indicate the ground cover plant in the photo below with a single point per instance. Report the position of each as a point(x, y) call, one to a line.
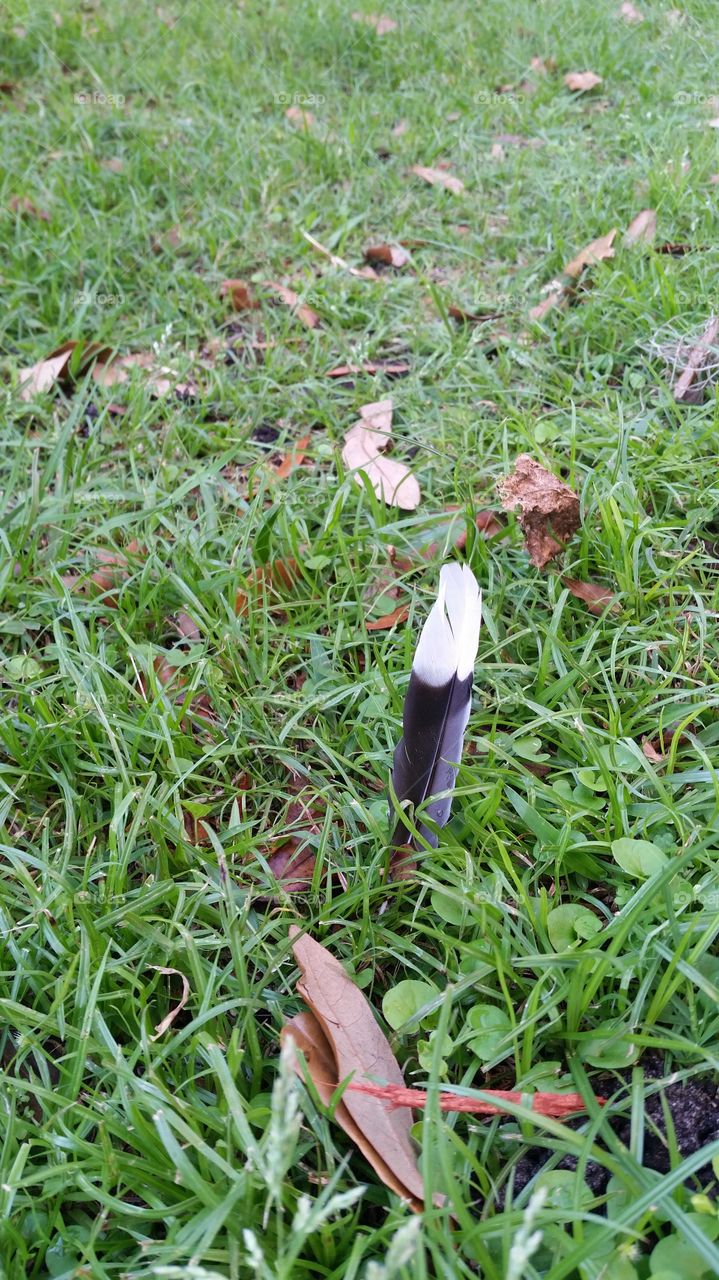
point(207, 625)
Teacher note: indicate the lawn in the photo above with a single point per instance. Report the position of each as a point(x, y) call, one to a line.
point(192, 684)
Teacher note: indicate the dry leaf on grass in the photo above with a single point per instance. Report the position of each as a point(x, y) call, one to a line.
point(629, 13)
point(362, 453)
point(642, 229)
point(378, 21)
point(389, 368)
point(292, 459)
point(266, 579)
point(689, 386)
point(160, 378)
point(22, 204)
point(549, 509)
point(290, 299)
point(170, 239)
point(339, 1037)
point(545, 66)
point(387, 255)
point(292, 858)
point(438, 178)
point(559, 291)
point(597, 598)
point(42, 376)
point(400, 128)
point(388, 620)
point(239, 294)
point(300, 118)
point(471, 317)
point(169, 1018)
point(582, 81)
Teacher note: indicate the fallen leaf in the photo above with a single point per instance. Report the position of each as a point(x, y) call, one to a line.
point(544, 66)
point(42, 376)
point(549, 509)
point(299, 117)
point(293, 865)
point(22, 204)
point(685, 388)
point(642, 229)
point(392, 481)
point(290, 299)
point(388, 255)
point(378, 21)
point(169, 1018)
point(239, 294)
point(170, 239)
point(340, 1037)
point(597, 251)
point(714, 180)
point(186, 626)
point(629, 13)
point(650, 752)
point(400, 128)
point(438, 178)
point(266, 578)
point(596, 597)
point(560, 291)
point(471, 317)
point(674, 248)
point(400, 614)
point(496, 151)
point(160, 379)
point(389, 369)
point(8, 87)
point(582, 81)
point(292, 459)
point(713, 124)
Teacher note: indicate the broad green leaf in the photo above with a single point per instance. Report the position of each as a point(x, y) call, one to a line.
point(639, 858)
point(610, 1046)
point(569, 923)
point(493, 1024)
point(22, 668)
point(402, 1002)
point(448, 908)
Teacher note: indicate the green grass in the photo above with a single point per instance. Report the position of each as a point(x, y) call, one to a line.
point(124, 1155)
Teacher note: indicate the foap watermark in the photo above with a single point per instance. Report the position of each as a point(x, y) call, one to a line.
point(300, 99)
point(97, 99)
point(93, 298)
point(497, 97)
point(696, 100)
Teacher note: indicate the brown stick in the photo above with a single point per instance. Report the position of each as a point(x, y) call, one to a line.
point(545, 1104)
point(698, 357)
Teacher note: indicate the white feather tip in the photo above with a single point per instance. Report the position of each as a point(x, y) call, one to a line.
point(448, 642)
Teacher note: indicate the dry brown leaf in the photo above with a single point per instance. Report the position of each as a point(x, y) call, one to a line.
point(292, 459)
point(629, 13)
point(557, 297)
point(186, 626)
point(401, 127)
point(545, 66)
point(400, 614)
point(378, 21)
point(8, 87)
point(392, 481)
point(388, 368)
point(642, 229)
point(266, 578)
point(685, 388)
point(343, 1038)
point(42, 376)
point(675, 248)
point(438, 178)
point(651, 753)
point(169, 1018)
point(300, 118)
point(239, 294)
point(597, 251)
point(582, 81)
point(22, 204)
point(290, 299)
point(160, 379)
point(471, 317)
point(170, 239)
point(549, 509)
point(597, 598)
point(388, 255)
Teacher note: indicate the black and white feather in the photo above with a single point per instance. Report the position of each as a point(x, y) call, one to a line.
point(436, 708)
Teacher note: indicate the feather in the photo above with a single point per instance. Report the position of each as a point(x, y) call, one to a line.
point(436, 708)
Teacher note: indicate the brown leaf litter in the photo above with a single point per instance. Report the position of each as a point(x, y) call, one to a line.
point(381, 24)
point(387, 255)
point(596, 597)
point(691, 359)
point(549, 509)
point(559, 291)
point(362, 454)
point(289, 298)
point(582, 81)
point(642, 229)
point(239, 295)
point(24, 205)
point(438, 178)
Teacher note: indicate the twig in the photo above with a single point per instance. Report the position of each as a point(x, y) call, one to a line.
point(544, 1104)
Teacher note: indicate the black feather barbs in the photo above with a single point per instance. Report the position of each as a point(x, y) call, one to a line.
point(436, 708)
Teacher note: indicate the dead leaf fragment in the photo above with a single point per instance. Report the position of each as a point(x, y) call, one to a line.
point(291, 299)
point(388, 620)
point(378, 21)
point(642, 229)
point(544, 1104)
point(651, 753)
point(269, 578)
point(545, 66)
point(685, 387)
point(549, 509)
point(471, 317)
point(400, 128)
point(42, 376)
point(239, 294)
point(292, 459)
point(22, 204)
point(387, 255)
point(390, 369)
point(169, 1018)
point(300, 118)
point(597, 251)
point(582, 81)
point(341, 1037)
point(438, 178)
point(362, 453)
point(596, 597)
point(630, 13)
